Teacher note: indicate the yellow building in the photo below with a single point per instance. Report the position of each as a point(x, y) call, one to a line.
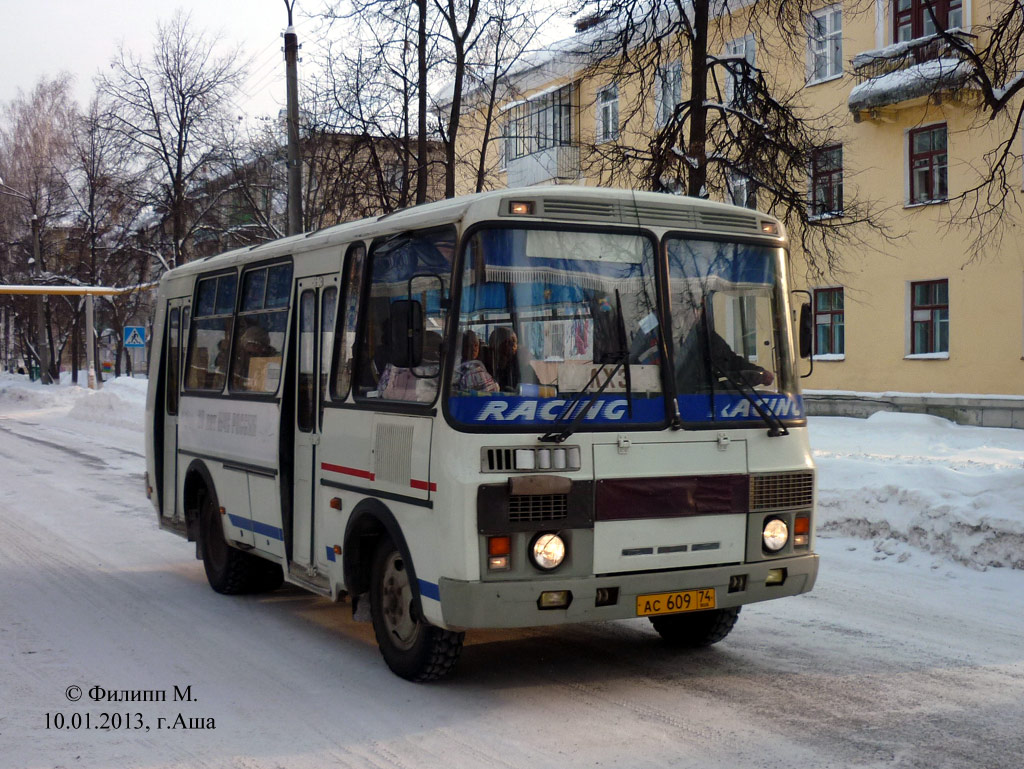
point(925, 312)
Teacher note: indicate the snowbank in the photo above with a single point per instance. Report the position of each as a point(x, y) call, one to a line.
point(916, 481)
point(120, 403)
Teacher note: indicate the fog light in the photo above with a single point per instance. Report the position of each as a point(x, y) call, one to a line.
point(775, 534)
point(554, 599)
point(547, 551)
point(775, 577)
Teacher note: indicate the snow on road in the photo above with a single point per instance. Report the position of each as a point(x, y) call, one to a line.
point(908, 653)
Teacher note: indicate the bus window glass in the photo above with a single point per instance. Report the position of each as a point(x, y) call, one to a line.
point(307, 347)
point(328, 305)
point(173, 357)
point(211, 333)
point(259, 333)
point(551, 321)
point(727, 327)
point(279, 285)
point(414, 266)
point(346, 340)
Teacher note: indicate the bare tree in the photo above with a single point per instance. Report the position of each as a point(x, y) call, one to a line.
point(104, 211)
point(34, 135)
point(724, 127)
point(172, 106)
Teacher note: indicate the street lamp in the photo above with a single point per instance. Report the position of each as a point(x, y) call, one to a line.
point(42, 346)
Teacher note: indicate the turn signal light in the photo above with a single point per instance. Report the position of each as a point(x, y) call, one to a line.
point(499, 545)
point(801, 531)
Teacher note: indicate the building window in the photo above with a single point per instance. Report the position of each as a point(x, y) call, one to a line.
point(829, 335)
point(742, 190)
point(825, 44)
point(668, 91)
point(538, 124)
point(738, 83)
point(929, 317)
point(827, 181)
point(928, 174)
point(913, 19)
point(608, 114)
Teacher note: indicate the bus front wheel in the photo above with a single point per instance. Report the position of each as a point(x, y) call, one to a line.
point(692, 631)
point(412, 647)
point(228, 570)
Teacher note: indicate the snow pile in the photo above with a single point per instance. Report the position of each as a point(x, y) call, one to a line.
point(916, 481)
point(121, 403)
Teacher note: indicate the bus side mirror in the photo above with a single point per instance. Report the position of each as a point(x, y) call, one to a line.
point(806, 331)
point(406, 327)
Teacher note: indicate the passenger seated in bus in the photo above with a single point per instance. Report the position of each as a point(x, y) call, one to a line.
point(418, 383)
point(504, 348)
point(693, 361)
point(471, 374)
point(249, 364)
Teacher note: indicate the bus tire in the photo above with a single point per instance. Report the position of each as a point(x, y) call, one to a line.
point(413, 648)
point(228, 570)
point(693, 631)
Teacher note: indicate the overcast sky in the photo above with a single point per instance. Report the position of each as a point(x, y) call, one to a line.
point(44, 37)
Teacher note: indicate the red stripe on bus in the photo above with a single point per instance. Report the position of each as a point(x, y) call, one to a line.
point(347, 471)
point(423, 485)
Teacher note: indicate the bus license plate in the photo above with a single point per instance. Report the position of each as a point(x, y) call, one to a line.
point(673, 603)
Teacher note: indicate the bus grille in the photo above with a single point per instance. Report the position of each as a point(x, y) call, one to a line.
point(782, 491)
point(544, 460)
point(727, 220)
point(530, 508)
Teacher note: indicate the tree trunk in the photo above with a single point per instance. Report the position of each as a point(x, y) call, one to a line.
point(75, 341)
point(696, 179)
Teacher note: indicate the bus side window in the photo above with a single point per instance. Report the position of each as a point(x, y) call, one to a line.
point(328, 308)
point(259, 333)
point(307, 346)
point(173, 356)
point(415, 266)
point(348, 311)
point(211, 333)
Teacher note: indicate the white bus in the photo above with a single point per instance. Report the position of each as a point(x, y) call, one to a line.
point(518, 408)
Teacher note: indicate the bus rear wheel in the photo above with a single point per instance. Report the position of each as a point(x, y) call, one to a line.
point(412, 647)
point(697, 629)
point(229, 570)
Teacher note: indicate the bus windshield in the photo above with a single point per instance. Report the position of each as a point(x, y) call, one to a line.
point(729, 339)
point(557, 327)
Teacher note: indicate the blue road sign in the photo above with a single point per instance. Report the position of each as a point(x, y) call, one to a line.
point(134, 336)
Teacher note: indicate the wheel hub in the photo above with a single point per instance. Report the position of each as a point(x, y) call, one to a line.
point(397, 604)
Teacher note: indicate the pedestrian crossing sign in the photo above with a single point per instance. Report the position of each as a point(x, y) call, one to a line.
point(134, 336)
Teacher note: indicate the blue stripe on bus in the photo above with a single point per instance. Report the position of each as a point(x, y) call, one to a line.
point(330, 554)
point(256, 527)
point(429, 590)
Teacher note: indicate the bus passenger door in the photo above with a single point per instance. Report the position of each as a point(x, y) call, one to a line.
point(176, 323)
point(317, 303)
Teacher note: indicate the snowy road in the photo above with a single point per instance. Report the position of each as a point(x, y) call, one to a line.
point(891, 662)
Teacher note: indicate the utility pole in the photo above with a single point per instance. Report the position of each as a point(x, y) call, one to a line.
point(291, 59)
point(42, 344)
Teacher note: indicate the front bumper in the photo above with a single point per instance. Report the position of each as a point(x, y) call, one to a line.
point(514, 604)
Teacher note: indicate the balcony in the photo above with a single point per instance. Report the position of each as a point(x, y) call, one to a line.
point(551, 165)
point(907, 74)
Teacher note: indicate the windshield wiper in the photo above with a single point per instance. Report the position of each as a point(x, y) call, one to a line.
point(568, 429)
point(622, 359)
point(775, 426)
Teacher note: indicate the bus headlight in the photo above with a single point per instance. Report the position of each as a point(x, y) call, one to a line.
point(775, 535)
point(547, 551)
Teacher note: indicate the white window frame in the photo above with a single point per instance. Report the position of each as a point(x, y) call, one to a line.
point(741, 46)
point(607, 114)
point(668, 90)
point(829, 47)
point(740, 190)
